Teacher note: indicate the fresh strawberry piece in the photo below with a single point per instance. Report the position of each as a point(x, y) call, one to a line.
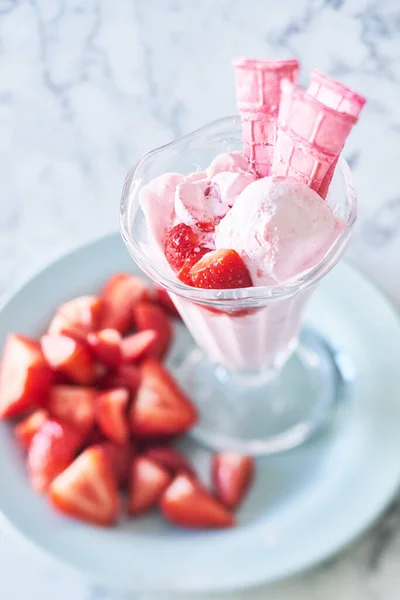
point(24, 376)
point(25, 430)
point(120, 457)
point(184, 274)
point(105, 346)
point(119, 295)
point(148, 481)
point(52, 449)
point(127, 376)
point(161, 408)
point(74, 405)
point(150, 316)
point(219, 270)
point(138, 345)
point(111, 414)
point(188, 504)
point(94, 437)
point(183, 244)
point(77, 318)
point(70, 357)
point(232, 474)
point(172, 460)
point(162, 297)
point(87, 489)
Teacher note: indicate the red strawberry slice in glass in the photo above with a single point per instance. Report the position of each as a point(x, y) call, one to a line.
point(148, 481)
point(232, 474)
point(87, 490)
point(219, 270)
point(188, 504)
point(183, 245)
point(25, 376)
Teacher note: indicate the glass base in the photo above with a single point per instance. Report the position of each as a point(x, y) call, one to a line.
point(267, 413)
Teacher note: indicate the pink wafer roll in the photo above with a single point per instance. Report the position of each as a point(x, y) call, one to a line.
point(258, 91)
point(332, 93)
point(309, 138)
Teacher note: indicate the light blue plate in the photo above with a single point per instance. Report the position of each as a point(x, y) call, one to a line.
point(305, 505)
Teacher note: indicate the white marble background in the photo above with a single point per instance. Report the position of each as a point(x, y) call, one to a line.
point(87, 86)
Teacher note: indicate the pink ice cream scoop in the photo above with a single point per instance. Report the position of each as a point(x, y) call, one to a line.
point(280, 227)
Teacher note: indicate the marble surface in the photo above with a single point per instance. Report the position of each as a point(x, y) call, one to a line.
point(87, 86)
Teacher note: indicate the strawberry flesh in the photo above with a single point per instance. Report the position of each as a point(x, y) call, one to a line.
point(150, 316)
point(105, 346)
point(119, 294)
point(74, 405)
point(169, 458)
point(138, 345)
point(219, 270)
point(111, 409)
point(232, 474)
point(25, 431)
point(148, 482)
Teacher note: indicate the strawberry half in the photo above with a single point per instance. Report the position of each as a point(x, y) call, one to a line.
point(138, 345)
point(188, 504)
point(77, 318)
point(162, 297)
point(70, 357)
point(51, 450)
point(119, 294)
point(73, 405)
point(87, 490)
point(105, 346)
point(148, 482)
point(120, 457)
point(25, 430)
point(127, 376)
point(111, 408)
point(170, 459)
point(183, 244)
point(161, 408)
point(220, 270)
point(24, 376)
point(232, 474)
point(150, 316)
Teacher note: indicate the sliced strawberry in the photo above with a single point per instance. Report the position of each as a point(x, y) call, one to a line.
point(94, 437)
point(188, 504)
point(232, 474)
point(51, 451)
point(161, 408)
point(222, 269)
point(150, 316)
point(138, 345)
point(172, 460)
point(127, 376)
point(183, 244)
point(87, 490)
point(105, 345)
point(25, 430)
point(163, 298)
point(119, 295)
point(120, 457)
point(70, 357)
point(24, 376)
point(148, 481)
point(111, 414)
point(77, 318)
point(74, 405)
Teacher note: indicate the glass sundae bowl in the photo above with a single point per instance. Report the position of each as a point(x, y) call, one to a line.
point(261, 384)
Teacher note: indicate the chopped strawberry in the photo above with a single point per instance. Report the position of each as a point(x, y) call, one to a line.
point(172, 460)
point(94, 437)
point(150, 316)
point(148, 481)
point(74, 405)
point(24, 376)
point(183, 244)
point(161, 408)
point(111, 414)
point(77, 318)
point(232, 474)
point(222, 269)
point(120, 457)
point(188, 504)
point(105, 345)
point(127, 376)
point(25, 430)
point(70, 357)
point(119, 294)
point(87, 489)
point(138, 345)
point(163, 298)
point(52, 449)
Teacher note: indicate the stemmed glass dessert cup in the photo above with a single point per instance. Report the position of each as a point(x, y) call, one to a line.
point(261, 384)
